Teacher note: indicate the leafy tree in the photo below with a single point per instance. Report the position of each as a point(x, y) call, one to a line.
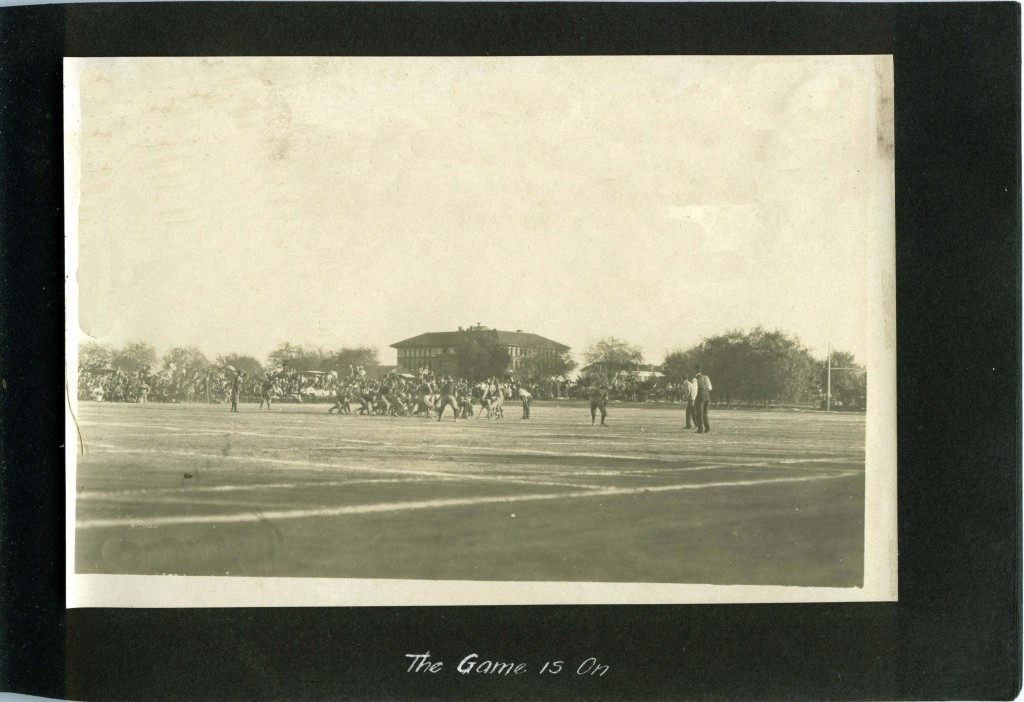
point(186, 359)
point(93, 354)
point(546, 373)
point(849, 385)
point(248, 364)
point(780, 367)
point(533, 369)
point(133, 357)
point(481, 356)
point(341, 359)
point(614, 355)
point(305, 358)
point(285, 355)
point(725, 358)
point(679, 364)
point(757, 366)
point(614, 352)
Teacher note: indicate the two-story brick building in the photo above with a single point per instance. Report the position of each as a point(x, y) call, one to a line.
point(438, 351)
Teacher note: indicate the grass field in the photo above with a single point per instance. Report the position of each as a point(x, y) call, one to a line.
point(767, 498)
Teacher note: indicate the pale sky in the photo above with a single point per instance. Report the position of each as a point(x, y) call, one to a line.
point(236, 203)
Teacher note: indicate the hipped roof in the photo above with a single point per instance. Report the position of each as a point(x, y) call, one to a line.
point(505, 338)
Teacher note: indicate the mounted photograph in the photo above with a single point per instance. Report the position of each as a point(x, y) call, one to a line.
point(480, 330)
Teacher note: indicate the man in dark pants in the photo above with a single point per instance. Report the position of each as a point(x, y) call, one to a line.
point(689, 396)
point(701, 404)
point(524, 395)
point(448, 398)
point(267, 391)
point(236, 389)
point(598, 401)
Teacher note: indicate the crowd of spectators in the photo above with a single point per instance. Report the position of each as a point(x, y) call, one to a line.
point(110, 385)
point(206, 385)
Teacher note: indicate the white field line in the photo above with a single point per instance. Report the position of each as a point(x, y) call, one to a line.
point(108, 448)
point(618, 456)
point(795, 464)
point(792, 462)
point(425, 504)
point(173, 506)
point(659, 472)
point(516, 451)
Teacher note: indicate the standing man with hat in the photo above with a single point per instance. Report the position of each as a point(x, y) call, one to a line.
point(700, 411)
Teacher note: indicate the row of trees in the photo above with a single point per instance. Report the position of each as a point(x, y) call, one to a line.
point(762, 366)
point(307, 358)
point(756, 366)
point(137, 356)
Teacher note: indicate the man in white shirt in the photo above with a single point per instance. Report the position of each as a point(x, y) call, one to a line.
point(524, 395)
point(689, 396)
point(701, 404)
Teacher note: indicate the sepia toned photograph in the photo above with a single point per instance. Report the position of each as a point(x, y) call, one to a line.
point(480, 330)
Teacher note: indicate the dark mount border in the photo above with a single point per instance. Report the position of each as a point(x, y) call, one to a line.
point(955, 634)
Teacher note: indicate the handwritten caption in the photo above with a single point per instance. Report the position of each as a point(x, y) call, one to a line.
point(474, 665)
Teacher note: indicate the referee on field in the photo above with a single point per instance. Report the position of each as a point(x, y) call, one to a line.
point(598, 401)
